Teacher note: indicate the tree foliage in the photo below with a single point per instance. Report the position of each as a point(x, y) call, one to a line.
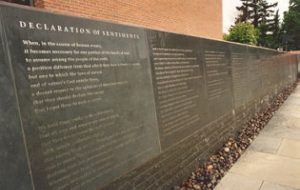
point(243, 32)
point(256, 12)
point(261, 14)
point(291, 26)
point(266, 21)
point(275, 27)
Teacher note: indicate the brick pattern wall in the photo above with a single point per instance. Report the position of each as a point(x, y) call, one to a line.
point(193, 17)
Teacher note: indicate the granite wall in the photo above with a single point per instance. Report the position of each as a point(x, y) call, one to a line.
point(87, 104)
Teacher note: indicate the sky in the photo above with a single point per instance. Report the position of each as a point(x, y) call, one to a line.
point(230, 12)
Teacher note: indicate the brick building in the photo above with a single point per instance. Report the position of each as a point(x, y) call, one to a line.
point(192, 17)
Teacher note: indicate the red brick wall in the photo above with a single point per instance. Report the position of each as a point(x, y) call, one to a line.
point(193, 17)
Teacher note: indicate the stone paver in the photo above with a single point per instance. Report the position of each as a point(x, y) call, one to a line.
point(266, 144)
point(281, 132)
point(289, 148)
point(270, 167)
point(234, 182)
point(271, 186)
point(273, 159)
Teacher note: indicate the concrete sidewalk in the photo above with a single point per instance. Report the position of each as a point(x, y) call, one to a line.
point(272, 162)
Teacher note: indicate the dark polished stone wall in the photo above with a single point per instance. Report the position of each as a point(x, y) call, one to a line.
point(88, 104)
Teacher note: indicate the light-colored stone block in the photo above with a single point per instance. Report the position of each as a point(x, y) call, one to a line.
point(281, 128)
point(237, 182)
point(290, 148)
point(270, 167)
point(272, 186)
point(265, 144)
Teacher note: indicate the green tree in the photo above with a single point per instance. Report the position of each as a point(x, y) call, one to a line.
point(291, 26)
point(270, 32)
point(265, 23)
point(244, 10)
point(243, 33)
point(259, 13)
point(255, 11)
point(276, 32)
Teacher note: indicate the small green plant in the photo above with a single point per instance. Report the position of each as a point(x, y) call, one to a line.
point(243, 32)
